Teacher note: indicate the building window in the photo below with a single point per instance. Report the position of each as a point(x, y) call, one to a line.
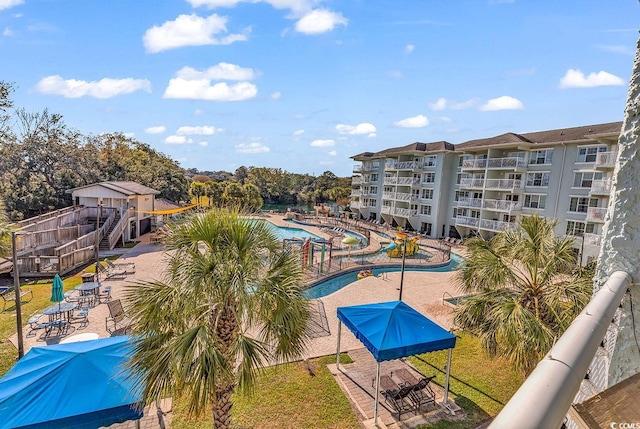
point(581, 204)
point(425, 210)
point(541, 156)
point(426, 228)
point(428, 177)
point(430, 161)
point(537, 179)
point(374, 177)
point(584, 180)
point(579, 228)
point(532, 201)
point(589, 154)
point(426, 194)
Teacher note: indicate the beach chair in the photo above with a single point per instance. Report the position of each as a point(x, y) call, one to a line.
point(117, 320)
point(400, 400)
point(111, 272)
point(105, 294)
point(128, 267)
point(421, 391)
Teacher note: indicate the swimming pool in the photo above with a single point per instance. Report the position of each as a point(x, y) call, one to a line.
point(334, 284)
point(286, 233)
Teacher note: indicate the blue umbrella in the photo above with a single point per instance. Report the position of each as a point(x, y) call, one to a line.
point(56, 290)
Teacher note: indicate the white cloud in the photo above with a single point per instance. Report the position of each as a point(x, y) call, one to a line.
point(419, 121)
point(356, 130)
point(332, 153)
point(294, 5)
point(155, 130)
point(323, 143)
point(177, 140)
point(276, 95)
point(251, 148)
point(205, 130)
point(442, 104)
point(198, 112)
point(6, 4)
point(193, 84)
point(577, 79)
point(189, 30)
point(502, 103)
point(129, 135)
point(203, 143)
point(298, 132)
point(7, 32)
point(319, 21)
point(221, 71)
point(104, 88)
point(409, 48)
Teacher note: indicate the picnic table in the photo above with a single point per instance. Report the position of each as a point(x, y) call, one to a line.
point(8, 295)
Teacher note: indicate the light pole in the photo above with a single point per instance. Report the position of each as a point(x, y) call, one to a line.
point(16, 290)
point(98, 213)
point(404, 253)
point(581, 249)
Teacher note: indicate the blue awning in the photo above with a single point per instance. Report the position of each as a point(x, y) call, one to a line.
point(82, 384)
point(391, 330)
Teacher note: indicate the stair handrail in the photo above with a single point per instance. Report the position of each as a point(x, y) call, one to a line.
point(117, 232)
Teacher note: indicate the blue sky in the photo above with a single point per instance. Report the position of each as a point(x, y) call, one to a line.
point(303, 85)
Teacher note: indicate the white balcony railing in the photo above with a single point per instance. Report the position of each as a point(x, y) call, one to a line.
point(355, 204)
point(405, 212)
point(601, 187)
point(356, 192)
point(467, 221)
point(357, 168)
point(390, 165)
point(470, 202)
point(496, 225)
point(510, 163)
point(472, 183)
point(474, 164)
point(408, 181)
point(502, 205)
point(606, 159)
point(356, 180)
point(390, 180)
point(592, 239)
point(403, 196)
point(504, 184)
point(596, 214)
point(386, 209)
point(389, 195)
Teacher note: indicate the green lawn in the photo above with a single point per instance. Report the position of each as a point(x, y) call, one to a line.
point(479, 384)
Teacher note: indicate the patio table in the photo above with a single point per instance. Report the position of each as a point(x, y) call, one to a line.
point(60, 311)
point(89, 291)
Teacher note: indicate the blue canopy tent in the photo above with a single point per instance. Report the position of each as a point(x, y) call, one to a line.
point(392, 330)
point(72, 385)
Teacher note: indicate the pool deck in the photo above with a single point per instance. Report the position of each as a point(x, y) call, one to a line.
point(424, 291)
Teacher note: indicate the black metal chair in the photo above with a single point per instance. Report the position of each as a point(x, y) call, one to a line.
point(400, 400)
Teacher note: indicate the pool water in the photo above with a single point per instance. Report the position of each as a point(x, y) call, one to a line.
point(286, 233)
point(334, 284)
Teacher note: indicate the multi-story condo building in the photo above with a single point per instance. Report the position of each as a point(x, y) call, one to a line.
point(484, 186)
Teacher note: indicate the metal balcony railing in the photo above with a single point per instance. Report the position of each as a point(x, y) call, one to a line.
point(356, 193)
point(389, 195)
point(386, 210)
point(504, 184)
point(356, 180)
point(390, 180)
point(474, 164)
point(470, 202)
point(357, 168)
point(472, 183)
point(405, 212)
point(601, 187)
point(496, 225)
point(356, 204)
point(510, 163)
point(502, 205)
point(467, 221)
point(596, 214)
point(403, 196)
point(606, 159)
point(592, 239)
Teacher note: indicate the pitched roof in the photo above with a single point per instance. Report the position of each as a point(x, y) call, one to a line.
point(413, 147)
point(502, 139)
point(565, 135)
point(123, 187)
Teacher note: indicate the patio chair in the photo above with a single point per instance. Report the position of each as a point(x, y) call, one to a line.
point(128, 267)
point(69, 296)
point(82, 316)
point(117, 319)
point(400, 400)
point(421, 391)
point(111, 272)
point(105, 294)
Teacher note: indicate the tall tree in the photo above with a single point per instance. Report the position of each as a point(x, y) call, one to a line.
point(252, 199)
point(197, 190)
point(231, 299)
point(525, 291)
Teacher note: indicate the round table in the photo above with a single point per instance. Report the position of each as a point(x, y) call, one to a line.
point(55, 310)
point(85, 336)
point(89, 289)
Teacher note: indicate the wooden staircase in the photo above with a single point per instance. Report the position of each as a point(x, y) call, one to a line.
point(104, 243)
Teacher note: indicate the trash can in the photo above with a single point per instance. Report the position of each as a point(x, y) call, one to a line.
point(88, 277)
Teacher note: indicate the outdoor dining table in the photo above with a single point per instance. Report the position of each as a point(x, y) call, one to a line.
point(60, 311)
point(90, 290)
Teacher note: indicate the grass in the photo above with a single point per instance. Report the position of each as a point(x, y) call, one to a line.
point(480, 384)
point(286, 396)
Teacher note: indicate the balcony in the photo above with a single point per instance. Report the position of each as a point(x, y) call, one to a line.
point(390, 180)
point(356, 193)
point(471, 222)
point(505, 184)
point(472, 183)
point(605, 160)
point(470, 202)
point(370, 179)
point(511, 163)
point(405, 212)
point(356, 204)
point(496, 225)
point(408, 181)
point(386, 209)
point(592, 239)
point(596, 214)
point(502, 205)
point(356, 180)
point(388, 195)
point(600, 187)
point(403, 196)
point(357, 168)
point(474, 164)
point(389, 165)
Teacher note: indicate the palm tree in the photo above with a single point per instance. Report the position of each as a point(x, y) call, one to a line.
point(525, 291)
point(230, 301)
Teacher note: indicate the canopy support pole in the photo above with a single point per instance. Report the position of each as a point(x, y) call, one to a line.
point(375, 408)
point(338, 347)
point(445, 400)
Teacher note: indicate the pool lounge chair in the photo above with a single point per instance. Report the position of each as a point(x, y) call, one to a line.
point(128, 267)
point(400, 400)
point(421, 391)
point(111, 272)
point(117, 320)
